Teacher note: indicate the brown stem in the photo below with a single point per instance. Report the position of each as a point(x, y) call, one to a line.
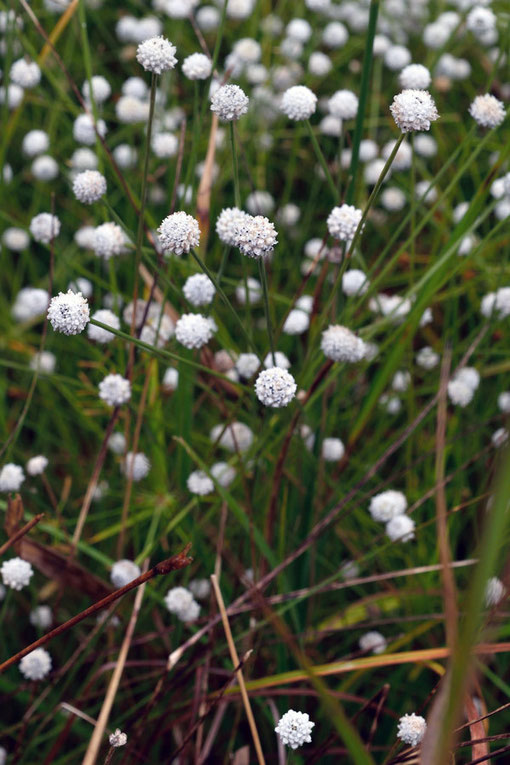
point(21, 533)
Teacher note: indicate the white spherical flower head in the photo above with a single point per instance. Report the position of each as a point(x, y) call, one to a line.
point(354, 282)
point(25, 73)
point(35, 142)
point(16, 573)
point(340, 344)
point(193, 330)
point(178, 233)
point(164, 145)
point(118, 738)
point(256, 236)
point(98, 334)
point(44, 168)
point(199, 483)
point(101, 89)
point(460, 393)
point(298, 103)
point(44, 227)
point(117, 443)
point(275, 387)
point(386, 505)
point(415, 77)
point(296, 322)
point(69, 313)
point(36, 664)
point(199, 290)
point(249, 292)
point(332, 449)
point(372, 641)
point(157, 55)
point(343, 104)
point(295, 729)
point(279, 360)
point(504, 401)
point(15, 239)
point(247, 364)
point(229, 102)
point(37, 465)
point(224, 474)
point(411, 729)
point(109, 240)
point(495, 591)
point(84, 130)
point(227, 223)
point(343, 221)
point(198, 66)
point(115, 390)
point(170, 379)
point(400, 528)
point(136, 465)
point(487, 111)
point(123, 572)
point(236, 437)
point(89, 186)
point(180, 602)
point(414, 110)
point(11, 477)
point(41, 617)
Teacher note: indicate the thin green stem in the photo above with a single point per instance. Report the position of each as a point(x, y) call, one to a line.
point(322, 161)
point(413, 208)
point(235, 166)
point(265, 292)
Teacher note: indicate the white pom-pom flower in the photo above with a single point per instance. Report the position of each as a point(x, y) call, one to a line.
point(84, 130)
point(296, 322)
point(117, 738)
point(414, 110)
point(235, 437)
point(199, 290)
point(89, 186)
point(136, 465)
point(295, 729)
point(11, 477)
point(123, 572)
point(247, 364)
point(35, 142)
point(354, 282)
point(372, 641)
point(98, 334)
point(180, 602)
point(198, 66)
point(386, 505)
point(109, 240)
point(298, 103)
point(45, 227)
point(37, 465)
point(16, 573)
point(115, 390)
point(193, 330)
point(223, 473)
point(487, 111)
point(411, 729)
point(415, 77)
point(157, 55)
point(400, 528)
point(338, 343)
point(228, 222)
point(333, 449)
point(229, 102)
point(178, 233)
point(36, 664)
point(69, 313)
point(495, 591)
point(256, 236)
point(41, 617)
point(200, 483)
point(343, 104)
point(25, 73)
point(275, 387)
point(343, 221)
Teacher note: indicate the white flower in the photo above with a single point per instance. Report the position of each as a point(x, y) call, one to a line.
point(459, 393)
point(117, 738)
point(44, 168)
point(340, 344)
point(115, 390)
point(69, 313)
point(109, 240)
point(84, 130)
point(413, 110)
point(255, 236)
point(200, 588)
point(487, 111)
point(193, 330)
point(415, 77)
point(400, 528)
point(354, 282)
point(296, 322)
point(15, 239)
point(157, 54)
point(397, 57)
point(101, 89)
point(199, 290)
point(386, 505)
point(275, 387)
point(130, 110)
point(335, 35)
point(228, 222)
point(37, 465)
point(178, 233)
point(123, 572)
point(223, 473)
point(36, 664)
point(479, 20)
point(84, 159)
point(298, 103)
point(319, 64)
point(504, 401)
point(43, 361)
point(44, 227)
point(30, 303)
point(117, 443)
point(98, 334)
point(125, 155)
point(164, 145)
point(411, 729)
point(11, 477)
point(136, 464)
point(35, 142)
point(16, 573)
point(247, 364)
point(343, 222)
point(89, 186)
point(198, 66)
point(235, 437)
point(343, 104)
point(41, 617)
point(495, 591)
point(25, 73)
point(13, 94)
point(470, 376)
point(249, 292)
point(401, 381)
point(170, 379)
point(180, 602)
point(280, 360)
point(260, 203)
point(373, 641)
point(332, 449)
point(294, 729)
point(199, 483)
point(229, 102)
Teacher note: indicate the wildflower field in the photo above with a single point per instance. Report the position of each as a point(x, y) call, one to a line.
point(254, 333)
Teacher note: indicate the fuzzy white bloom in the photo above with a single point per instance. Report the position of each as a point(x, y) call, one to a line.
point(319, 64)
point(354, 282)
point(235, 437)
point(180, 602)
point(43, 361)
point(136, 463)
point(11, 477)
point(157, 55)
point(15, 239)
point(123, 572)
point(386, 505)
point(469, 376)
point(109, 240)
point(427, 358)
point(98, 334)
point(36, 664)
point(487, 111)
point(125, 156)
point(296, 322)
point(118, 738)
point(401, 381)
point(131, 110)
point(25, 73)
point(30, 303)
point(499, 437)
point(229, 102)
point(198, 482)
point(44, 168)
point(178, 233)
point(504, 401)
point(170, 379)
point(411, 729)
point(223, 473)
point(89, 186)
point(83, 159)
point(198, 66)
point(495, 591)
point(479, 20)
point(200, 588)
point(199, 290)
point(340, 344)
point(101, 89)
point(392, 404)
point(335, 35)
point(13, 95)
point(84, 131)
point(280, 360)
point(247, 364)
point(115, 390)
point(343, 221)
point(44, 227)
point(393, 199)
point(41, 617)
point(373, 641)
point(425, 145)
point(228, 222)
point(256, 236)
point(193, 330)
point(247, 50)
point(295, 729)
point(343, 104)
point(397, 57)
point(415, 77)
point(275, 387)
point(298, 103)
point(16, 573)
point(208, 18)
point(117, 443)
point(249, 292)
point(413, 110)
point(459, 393)
point(400, 528)
point(332, 449)
point(69, 313)
point(496, 304)
point(260, 203)
point(37, 465)
point(164, 145)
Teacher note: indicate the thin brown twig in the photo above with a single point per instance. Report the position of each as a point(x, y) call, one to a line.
point(21, 532)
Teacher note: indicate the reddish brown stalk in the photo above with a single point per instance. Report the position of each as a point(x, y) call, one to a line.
point(21, 533)
point(180, 560)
